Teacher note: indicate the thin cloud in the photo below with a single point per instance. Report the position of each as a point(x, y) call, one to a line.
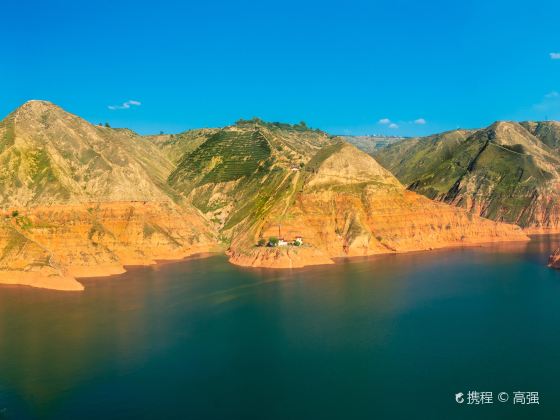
point(384, 121)
point(125, 105)
point(555, 55)
point(549, 103)
point(420, 121)
point(393, 125)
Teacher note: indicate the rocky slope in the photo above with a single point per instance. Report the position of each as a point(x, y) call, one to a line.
point(241, 172)
point(257, 180)
point(508, 172)
point(348, 205)
point(82, 200)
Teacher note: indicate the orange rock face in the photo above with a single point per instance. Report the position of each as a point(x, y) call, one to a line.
point(80, 200)
point(365, 214)
point(335, 225)
point(508, 172)
point(49, 246)
point(280, 257)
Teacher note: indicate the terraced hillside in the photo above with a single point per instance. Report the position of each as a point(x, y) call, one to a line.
point(256, 180)
point(345, 204)
point(508, 172)
point(240, 173)
point(226, 156)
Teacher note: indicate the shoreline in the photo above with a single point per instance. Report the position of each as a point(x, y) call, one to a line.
point(157, 262)
point(71, 283)
point(537, 232)
point(341, 259)
point(74, 285)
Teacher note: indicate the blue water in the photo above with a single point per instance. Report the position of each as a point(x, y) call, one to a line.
point(390, 337)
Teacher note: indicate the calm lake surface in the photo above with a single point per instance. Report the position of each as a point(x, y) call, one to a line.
point(391, 337)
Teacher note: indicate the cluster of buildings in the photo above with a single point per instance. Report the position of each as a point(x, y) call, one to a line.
point(278, 242)
point(298, 241)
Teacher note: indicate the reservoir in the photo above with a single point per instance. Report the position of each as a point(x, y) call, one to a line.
point(387, 337)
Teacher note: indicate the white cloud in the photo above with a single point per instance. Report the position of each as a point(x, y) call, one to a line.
point(393, 125)
point(552, 94)
point(420, 121)
point(555, 55)
point(384, 121)
point(125, 105)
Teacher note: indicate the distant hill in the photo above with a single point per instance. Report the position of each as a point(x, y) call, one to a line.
point(508, 172)
point(371, 144)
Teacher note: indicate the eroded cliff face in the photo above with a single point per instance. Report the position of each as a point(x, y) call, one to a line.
point(508, 172)
point(79, 200)
point(350, 206)
point(25, 262)
point(82, 200)
point(61, 242)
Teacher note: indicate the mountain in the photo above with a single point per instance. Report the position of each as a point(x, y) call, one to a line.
point(48, 155)
point(82, 200)
point(238, 174)
point(257, 180)
point(508, 172)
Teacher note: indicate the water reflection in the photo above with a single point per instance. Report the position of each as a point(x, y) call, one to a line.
point(191, 330)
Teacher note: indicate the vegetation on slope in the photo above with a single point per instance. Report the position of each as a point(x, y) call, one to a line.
point(244, 172)
point(175, 146)
point(504, 172)
point(50, 156)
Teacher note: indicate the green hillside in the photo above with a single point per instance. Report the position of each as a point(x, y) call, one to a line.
point(245, 171)
point(505, 172)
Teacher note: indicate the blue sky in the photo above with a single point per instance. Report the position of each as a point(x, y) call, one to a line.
point(340, 66)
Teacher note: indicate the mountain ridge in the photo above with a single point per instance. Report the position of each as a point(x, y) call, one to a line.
point(502, 172)
point(82, 200)
point(94, 199)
